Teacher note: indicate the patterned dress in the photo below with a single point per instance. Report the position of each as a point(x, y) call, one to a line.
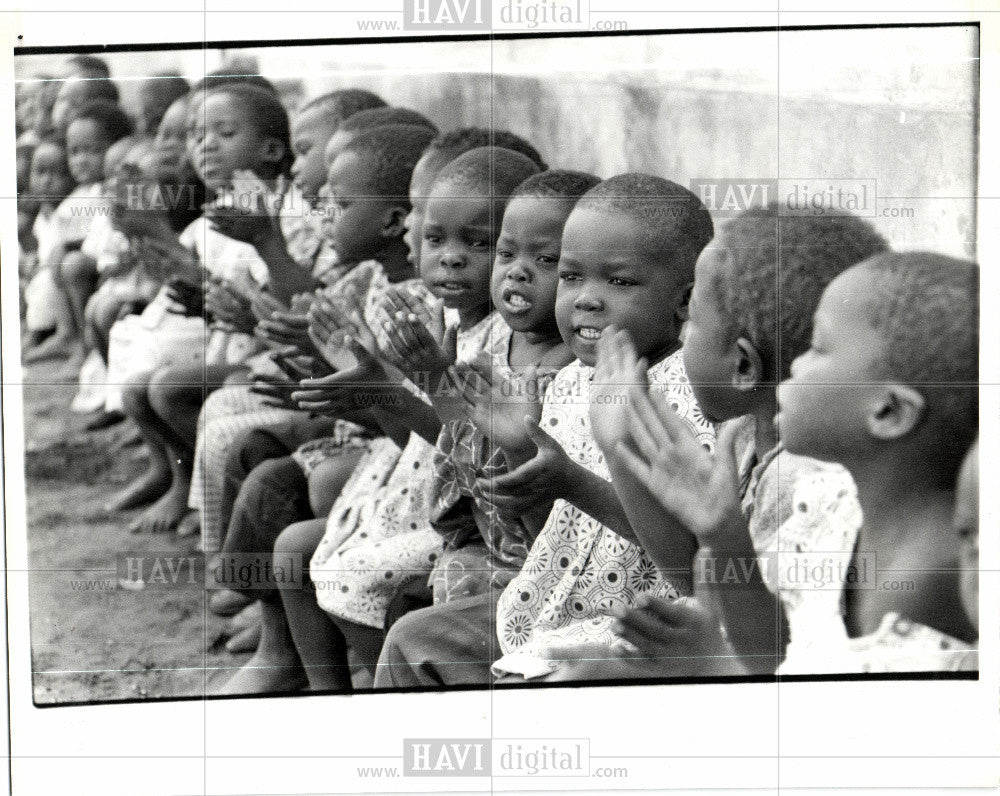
point(578, 569)
point(484, 551)
point(379, 537)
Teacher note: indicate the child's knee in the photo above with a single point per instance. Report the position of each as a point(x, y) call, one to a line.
point(250, 449)
point(329, 477)
point(77, 268)
point(168, 392)
point(300, 537)
point(135, 394)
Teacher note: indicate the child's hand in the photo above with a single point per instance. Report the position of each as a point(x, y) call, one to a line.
point(698, 488)
point(536, 483)
point(275, 390)
point(666, 638)
point(163, 258)
point(255, 216)
point(418, 348)
point(346, 390)
point(617, 369)
point(499, 405)
point(230, 309)
point(286, 329)
point(264, 305)
point(188, 297)
point(330, 324)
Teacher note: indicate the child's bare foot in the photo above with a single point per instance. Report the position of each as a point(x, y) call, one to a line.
point(152, 485)
point(59, 346)
point(165, 514)
point(251, 615)
point(267, 673)
point(246, 640)
point(190, 525)
point(228, 602)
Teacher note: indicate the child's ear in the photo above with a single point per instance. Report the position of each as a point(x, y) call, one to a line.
point(683, 301)
point(897, 411)
point(749, 366)
point(393, 226)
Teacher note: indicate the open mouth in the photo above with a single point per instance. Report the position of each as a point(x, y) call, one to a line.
point(514, 302)
point(589, 333)
point(451, 286)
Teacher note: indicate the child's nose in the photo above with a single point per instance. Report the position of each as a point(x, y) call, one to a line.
point(519, 273)
point(452, 260)
point(587, 301)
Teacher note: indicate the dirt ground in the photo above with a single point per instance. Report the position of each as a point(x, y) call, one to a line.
point(92, 639)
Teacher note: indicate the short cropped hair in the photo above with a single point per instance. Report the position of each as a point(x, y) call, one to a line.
point(378, 117)
point(392, 150)
point(170, 86)
point(557, 184)
point(457, 142)
point(266, 112)
point(676, 224)
point(113, 122)
point(344, 103)
point(97, 88)
point(490, 170)
point(225, 77)
point(925, 307)
point(777, 267)
point(89, 65)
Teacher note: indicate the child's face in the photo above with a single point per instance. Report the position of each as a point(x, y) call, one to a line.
point(457, 248)
point(823, 407)
point(50, 179)
point(606, 277)
point(73, 93)
point(357, 232)
point(86, 145)
point(224, 138)
point(310, 134)
point(967, 526)
point(171, 135)
point(710, 355)
point(526, 268)
point(420, 186)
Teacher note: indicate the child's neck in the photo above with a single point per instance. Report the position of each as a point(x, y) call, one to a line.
point(668, 348)
point(530, 348)
point(765, 434)
point(470, 316)
point(907, 524)
point(393, 260)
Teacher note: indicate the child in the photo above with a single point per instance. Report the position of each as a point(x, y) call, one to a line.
point(382, 513)
point(233, 127)
point(467, 580)
point(967, 526)
point(87, 78)
point(49, 182)
point(750, 314)
point(894, 397)
point(156, 96)
point(90, 133)
point(885, 393)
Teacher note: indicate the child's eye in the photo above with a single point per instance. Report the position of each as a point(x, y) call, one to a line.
point(568, 276)
point(618, 281)
point(432, 237)
point(503, 254)
point(547, 260)
point(478, 244)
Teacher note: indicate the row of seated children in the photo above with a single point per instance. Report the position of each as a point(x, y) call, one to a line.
point(482, 403)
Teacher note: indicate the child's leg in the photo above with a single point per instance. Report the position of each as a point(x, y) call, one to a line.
point(156, 480)
point(271, 498)
point(59, 345)
point(78, 277)
point(321, 646)
point(449, 644)
point(329, 477)
point(176, 396)
point(275, 666)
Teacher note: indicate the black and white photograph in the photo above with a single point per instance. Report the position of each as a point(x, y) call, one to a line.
point(493, 383)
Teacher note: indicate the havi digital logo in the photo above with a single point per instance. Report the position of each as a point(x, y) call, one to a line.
point(447, 14)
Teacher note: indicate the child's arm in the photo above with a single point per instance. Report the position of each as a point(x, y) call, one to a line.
point(507, 411)
point(700, 492)
point(260, 226)
point(668, 543)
